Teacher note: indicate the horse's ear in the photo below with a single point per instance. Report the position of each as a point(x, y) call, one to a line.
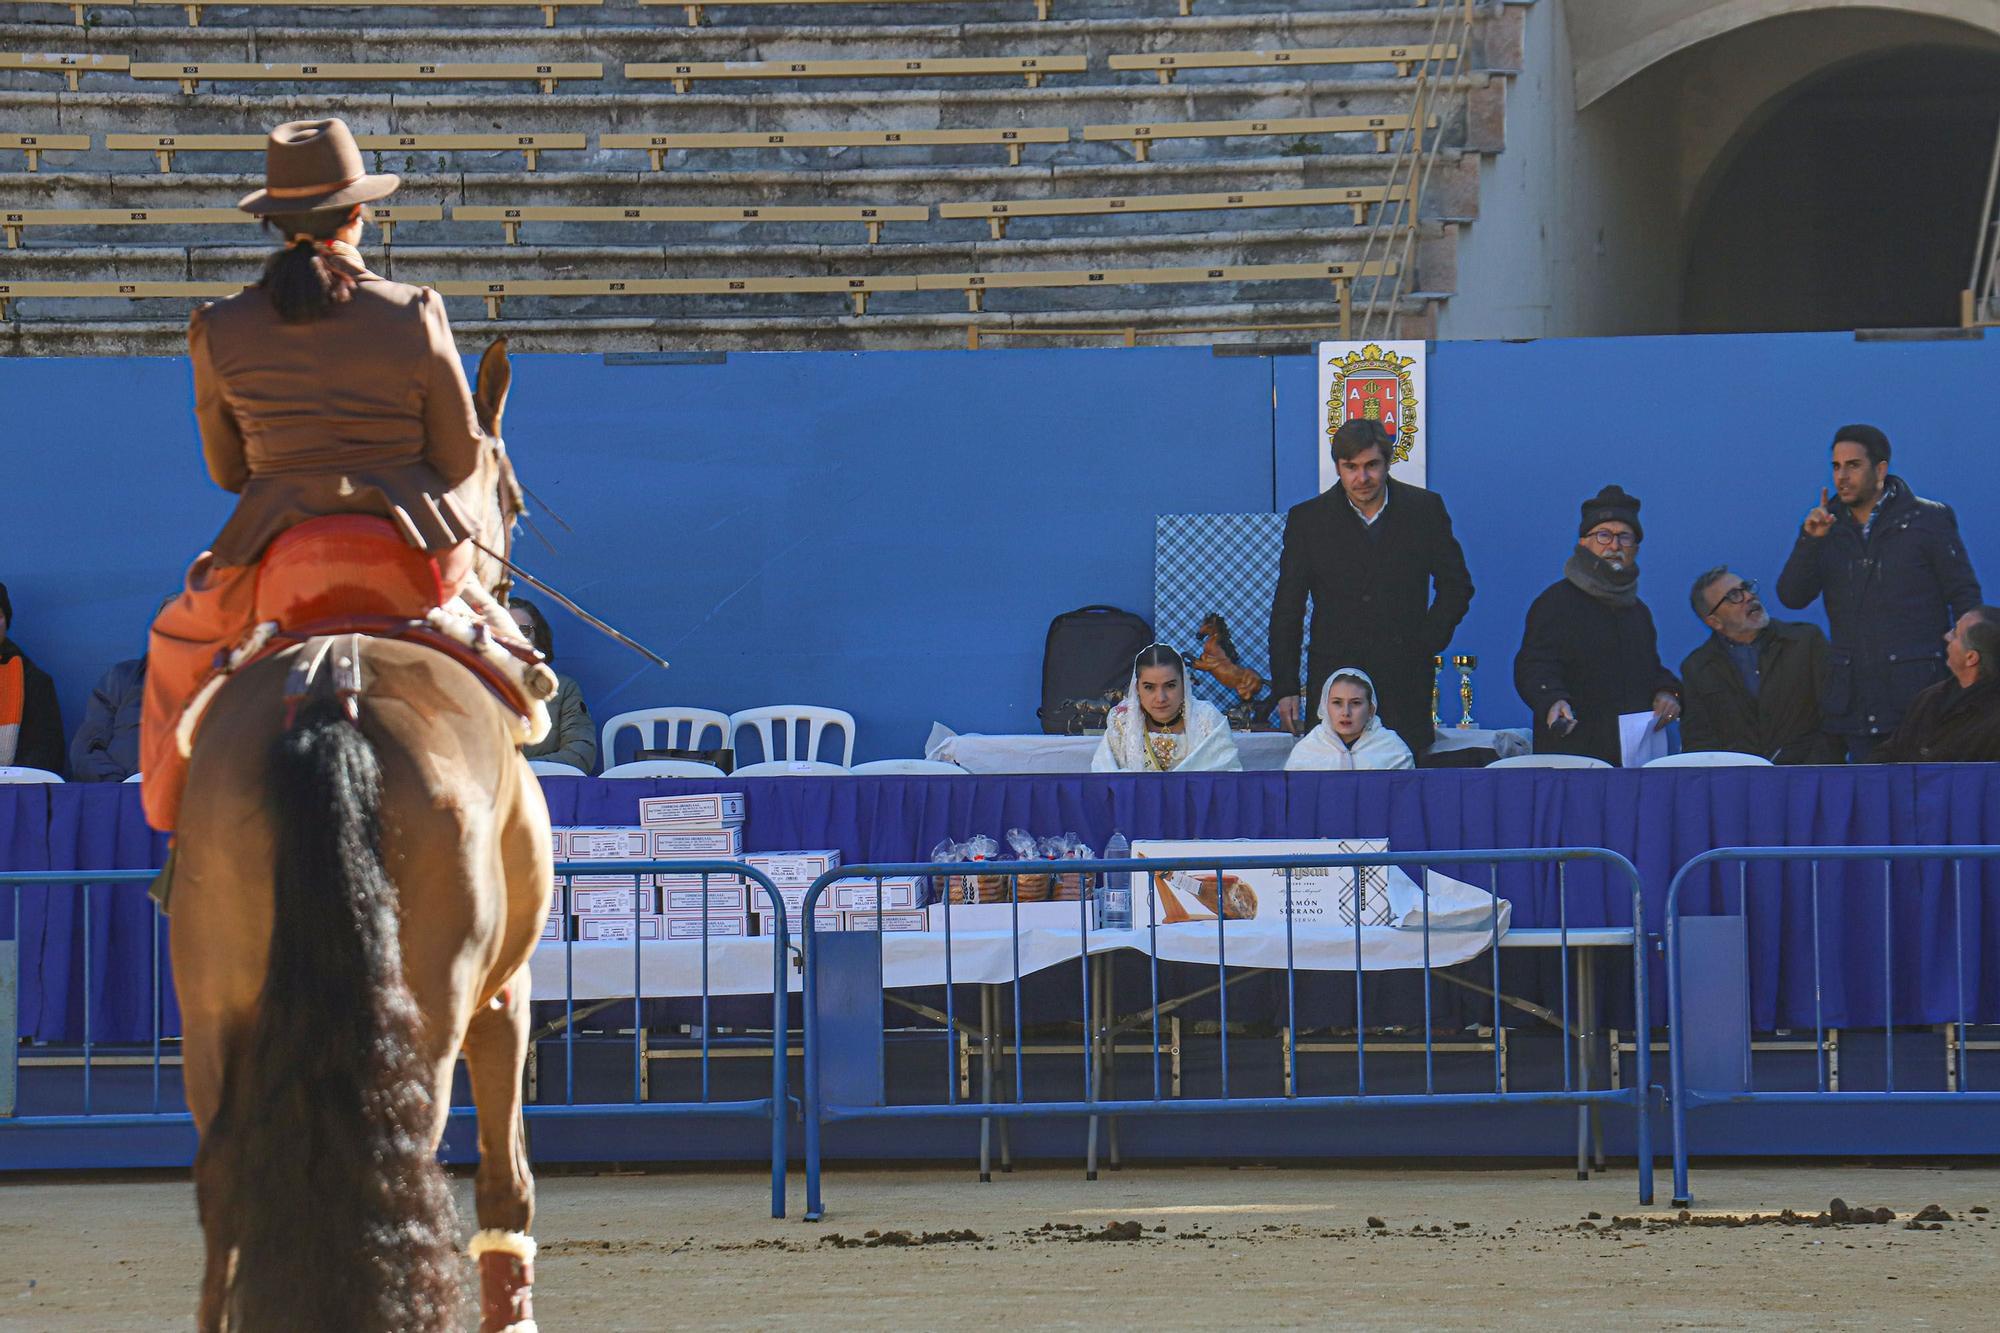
point(495, 375)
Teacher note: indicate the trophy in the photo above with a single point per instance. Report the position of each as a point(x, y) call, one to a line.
point(1437, 665)
point(1466, 663)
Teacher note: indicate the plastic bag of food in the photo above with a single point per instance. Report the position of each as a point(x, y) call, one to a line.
point(1034, 888)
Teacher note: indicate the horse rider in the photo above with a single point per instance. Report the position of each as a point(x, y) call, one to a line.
point(323, 389)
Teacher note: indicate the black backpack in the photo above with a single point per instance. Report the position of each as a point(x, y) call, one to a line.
point(1089, 653)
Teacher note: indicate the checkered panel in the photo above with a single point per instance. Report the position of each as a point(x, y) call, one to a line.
point(1226, 563)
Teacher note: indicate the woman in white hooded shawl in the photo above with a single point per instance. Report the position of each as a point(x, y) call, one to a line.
point(1158, 729)
point(1349, 734)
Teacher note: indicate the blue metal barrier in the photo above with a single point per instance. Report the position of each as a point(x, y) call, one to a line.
point(1684, 1036)
point(162, 1109)
point(819, 1109)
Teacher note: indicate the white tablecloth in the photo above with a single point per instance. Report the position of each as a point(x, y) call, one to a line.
point(1262, 751)
point(739, 966)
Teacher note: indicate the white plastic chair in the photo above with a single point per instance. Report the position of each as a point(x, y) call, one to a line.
point(1549, 761)
point(663, 768)
point(549, 768)
point(788, 768)
point(1709, 759)
point(774, 720)
point(644, 720)
point(902, 766)
point(13, 773)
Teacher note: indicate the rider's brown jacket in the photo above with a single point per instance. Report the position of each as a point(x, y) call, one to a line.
point(365, 411)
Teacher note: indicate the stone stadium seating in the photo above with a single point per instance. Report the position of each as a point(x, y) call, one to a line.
point(557, 180)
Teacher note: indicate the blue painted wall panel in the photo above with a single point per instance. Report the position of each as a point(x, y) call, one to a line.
point(891, 533)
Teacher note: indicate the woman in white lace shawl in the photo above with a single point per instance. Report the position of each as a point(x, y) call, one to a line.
point(1159, 729)
point(1349, 734)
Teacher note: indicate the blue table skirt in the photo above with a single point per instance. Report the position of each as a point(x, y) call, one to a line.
point(1659, 819)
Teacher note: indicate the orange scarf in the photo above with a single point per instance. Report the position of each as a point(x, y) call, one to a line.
point(13, 698)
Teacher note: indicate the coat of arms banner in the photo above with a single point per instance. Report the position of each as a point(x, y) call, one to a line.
point(1383, 381)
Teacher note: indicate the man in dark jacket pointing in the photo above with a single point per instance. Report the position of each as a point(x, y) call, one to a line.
point(1895, 577)
point(1368, 552)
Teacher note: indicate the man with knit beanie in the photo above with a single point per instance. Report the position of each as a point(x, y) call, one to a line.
point(1589, 652)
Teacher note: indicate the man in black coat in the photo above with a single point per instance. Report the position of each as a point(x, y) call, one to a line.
point(1368, 552)
point(1754, 686)
point(1589, 652)
point(1895, 577)
point(1957, 720)
point(30, 721)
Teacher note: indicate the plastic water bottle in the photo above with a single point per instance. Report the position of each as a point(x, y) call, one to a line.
point(1114, 889)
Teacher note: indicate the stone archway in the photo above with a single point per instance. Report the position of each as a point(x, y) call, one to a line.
point(1851, 202)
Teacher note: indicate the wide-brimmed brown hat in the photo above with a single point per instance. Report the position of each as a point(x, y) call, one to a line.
point(314, 164)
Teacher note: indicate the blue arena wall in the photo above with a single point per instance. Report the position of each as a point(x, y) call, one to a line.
point(892, 532)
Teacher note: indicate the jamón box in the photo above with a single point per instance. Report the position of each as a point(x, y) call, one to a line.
point(679, 899)
point(702, 811)
point(794, 869)
point(601, 842)
point(586, 899)
point(903, 893)
point(886, 922)
point(725, 844)
point(552, 928)
point(1320, 895)
point(657, 927)
point(795, 922)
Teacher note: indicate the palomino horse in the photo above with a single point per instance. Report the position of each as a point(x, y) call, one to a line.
point(354, 904)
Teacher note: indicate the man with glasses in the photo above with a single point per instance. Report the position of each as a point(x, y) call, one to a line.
point(1754, 686)
point(1589, 652)
point(1894, 575)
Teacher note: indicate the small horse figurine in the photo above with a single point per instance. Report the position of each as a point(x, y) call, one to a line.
point(361, 883)
point(1218, 659)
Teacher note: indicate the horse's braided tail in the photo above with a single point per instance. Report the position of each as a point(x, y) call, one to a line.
point(320, 1159)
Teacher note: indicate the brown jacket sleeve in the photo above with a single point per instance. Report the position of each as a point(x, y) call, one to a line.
point(452, 438)
point(221, 440)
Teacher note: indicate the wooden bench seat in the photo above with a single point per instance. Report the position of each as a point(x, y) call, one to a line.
point(16, 221)
point(1142, 136)
point(657, 146)
point(70, 66)
point(194, 7)
point(1167, 63)
point(870, 215)
point(683, 76)
point(191, 76)
point(697, 8)
point(164, 146)
point(34, 145)
point(493, 293)
point(136, 291)
point(976, 285)
point(997, 212)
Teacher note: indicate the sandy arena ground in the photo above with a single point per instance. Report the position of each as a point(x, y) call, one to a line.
point(1252, 1246)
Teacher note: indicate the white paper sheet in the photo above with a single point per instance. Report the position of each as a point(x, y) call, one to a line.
point(1639, 741)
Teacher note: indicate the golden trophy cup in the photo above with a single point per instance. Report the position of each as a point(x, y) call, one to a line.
point(1437, 665)
point(1466, 663)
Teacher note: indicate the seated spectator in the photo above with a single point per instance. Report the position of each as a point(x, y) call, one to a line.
point(1956, 721)
point(31, 732)
point(106, 747)
point(1349, 734)
point(1589, 654)
point(1755, 686)
point(572, 737)
point(1158, 729)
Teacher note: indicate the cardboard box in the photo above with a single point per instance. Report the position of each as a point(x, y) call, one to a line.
point(606, 881)
point(888, 921)
point(903, 893)
point(601, 842)
point(620, 927)
point(554, 927)
point(722, 897)
point(725, 844)
point(1000, 916)
point(1321, 895)
point(614, 901)
point(702, 810)
point(795, 922)
point(789, 869)
point(719, 927)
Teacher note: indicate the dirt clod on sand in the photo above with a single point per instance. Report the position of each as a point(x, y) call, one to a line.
point(1116, 1231)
